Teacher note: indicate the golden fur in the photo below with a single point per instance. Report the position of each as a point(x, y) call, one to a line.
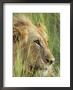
point(32, 41)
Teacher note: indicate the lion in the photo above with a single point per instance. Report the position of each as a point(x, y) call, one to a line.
point(31, 42)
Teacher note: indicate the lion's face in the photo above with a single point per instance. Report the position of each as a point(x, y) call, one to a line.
point(39, 50)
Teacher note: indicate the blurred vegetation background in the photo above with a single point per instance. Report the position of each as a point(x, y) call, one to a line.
point(52, 23)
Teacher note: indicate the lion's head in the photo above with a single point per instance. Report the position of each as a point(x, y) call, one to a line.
point(32, 42)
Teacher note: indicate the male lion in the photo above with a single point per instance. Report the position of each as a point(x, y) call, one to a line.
point(31, 43)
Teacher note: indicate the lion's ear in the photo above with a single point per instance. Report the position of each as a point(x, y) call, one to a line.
point(41, 27)
point(38, 25)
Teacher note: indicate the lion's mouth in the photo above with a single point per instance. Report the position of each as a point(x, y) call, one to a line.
point(38, 67)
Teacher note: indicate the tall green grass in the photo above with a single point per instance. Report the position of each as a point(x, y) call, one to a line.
point(52, 23)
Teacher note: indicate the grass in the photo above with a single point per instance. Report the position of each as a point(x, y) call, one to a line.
point(52, 23)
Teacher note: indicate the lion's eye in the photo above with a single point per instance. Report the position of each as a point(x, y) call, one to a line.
point(37, 41)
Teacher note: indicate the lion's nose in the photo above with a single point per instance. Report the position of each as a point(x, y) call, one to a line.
point(51, 61)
